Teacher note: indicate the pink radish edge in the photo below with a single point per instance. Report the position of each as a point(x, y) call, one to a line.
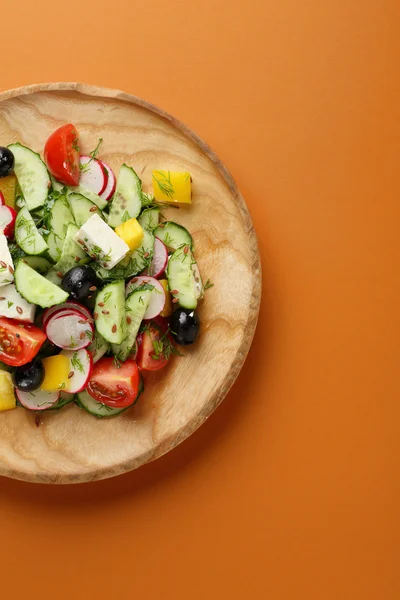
point(78, 381)
point(68, 305)
point(7, 220)
point(76, 330)
point(109, 190)
point(157, 301)
point(93, 177)
point(37, 399)
point(159, 261)
point(2, 199)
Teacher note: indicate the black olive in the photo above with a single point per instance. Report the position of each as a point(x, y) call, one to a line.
point(6, 161)
point(185, 326)
point(29, 377)
point(80, 282)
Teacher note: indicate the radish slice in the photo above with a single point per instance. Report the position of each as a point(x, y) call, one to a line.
point(2, 199)
point(157, 297)
point(70, 331)
point(80, 365)
point(160, 259)
point(70, 305)
point(63, 312)
point(7, 220)
point(38, 399)
point(109, 190)
point(93, 176)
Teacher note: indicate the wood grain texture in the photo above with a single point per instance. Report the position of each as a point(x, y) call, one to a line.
point(70, 445)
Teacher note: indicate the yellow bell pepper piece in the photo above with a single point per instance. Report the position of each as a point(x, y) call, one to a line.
point(171, 186)
point(7, 187)
point(131, 232)
point(56, 370)
point(167, 310)
point(7, 398)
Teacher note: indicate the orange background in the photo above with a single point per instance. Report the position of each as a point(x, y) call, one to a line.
point(291, 489)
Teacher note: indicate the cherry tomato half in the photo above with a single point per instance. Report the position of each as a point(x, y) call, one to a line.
point(113, 385)
point(149, 356)
point(61, 154)
point(19, 342)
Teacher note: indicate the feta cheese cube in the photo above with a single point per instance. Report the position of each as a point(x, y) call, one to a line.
point(14, 306)
point(6, 262)
point(101, 242)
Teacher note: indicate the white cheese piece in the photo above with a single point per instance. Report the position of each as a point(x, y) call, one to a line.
point(6, 262)
point(101, 242)
point(14, 306)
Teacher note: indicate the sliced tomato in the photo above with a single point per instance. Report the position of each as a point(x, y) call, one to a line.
point(115, 385)
point(149, 356)
point(19, 342)
point(61, 154)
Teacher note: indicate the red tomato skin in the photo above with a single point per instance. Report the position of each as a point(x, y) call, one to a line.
point(61, 154)
point(114, 386)
point(26, 336)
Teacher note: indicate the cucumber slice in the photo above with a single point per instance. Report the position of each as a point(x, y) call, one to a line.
point(59, 218)
point(26, 234)
point(32, 175)
point(55, 245)
point(56, 185)
point(35, 288)
point(40, 264)
point(82, 208)
point(100, 202)
point(136, 305)
point(99, 347)
point(109, 312)
point(97, 409)
point(173, 235)
point(71, 256)
point(133, 264)
point(181, 277)
point(149, 218)
point(126, 203)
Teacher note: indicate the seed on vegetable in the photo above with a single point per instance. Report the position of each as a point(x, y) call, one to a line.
point(95, 316)
point(77, 259)
point(101, 304)
point(19, 310)
point(93, 209)
point(128, 320)
point(59, 274)
point(3, 264)
point(186, 249)
point(82, 335)
point(175, 300)
point(134, 280)
point(105, 312)
point(24, 261)
point(162, 225)
point(11, 269)
point(146, 255)
point(174, 292)
point(6, 343)
point(70, 374)
point(2, 298)
point(114, 328)
point(93, 288)
point(82, 322)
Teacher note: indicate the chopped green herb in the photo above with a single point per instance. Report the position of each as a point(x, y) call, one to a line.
point(77, 363)
point(208, 284)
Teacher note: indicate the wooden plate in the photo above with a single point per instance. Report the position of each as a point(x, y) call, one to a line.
point(70, 445)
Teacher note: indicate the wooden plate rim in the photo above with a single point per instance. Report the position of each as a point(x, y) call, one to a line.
point(249, 330)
